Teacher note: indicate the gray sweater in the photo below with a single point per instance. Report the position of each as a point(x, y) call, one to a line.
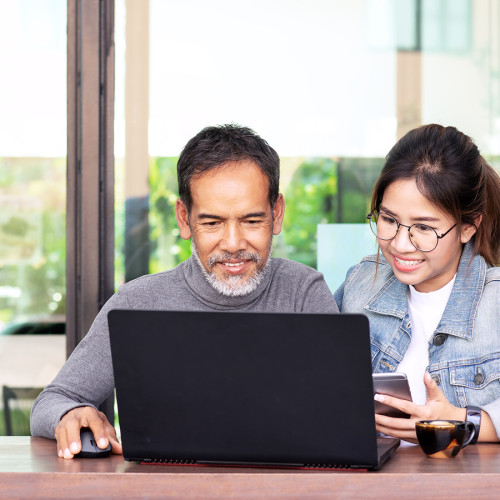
point(87, 379)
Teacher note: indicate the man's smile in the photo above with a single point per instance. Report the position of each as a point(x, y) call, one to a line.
point(235, 266)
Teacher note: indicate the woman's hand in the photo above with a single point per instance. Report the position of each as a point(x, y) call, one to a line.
point(437, 407)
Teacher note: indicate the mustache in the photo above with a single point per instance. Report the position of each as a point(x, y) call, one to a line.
point(220, 257)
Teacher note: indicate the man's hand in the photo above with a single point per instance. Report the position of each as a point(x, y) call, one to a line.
point(437, 407)
point(68, 431)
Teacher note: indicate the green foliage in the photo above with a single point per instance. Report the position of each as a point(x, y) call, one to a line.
point(20, 421)
point(311, 199)
point(357, 177)
point(325, 191)
point(38, 185)
point(355, 206)
point(168, 248)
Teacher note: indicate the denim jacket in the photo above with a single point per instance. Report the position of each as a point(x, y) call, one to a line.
point(464, 352)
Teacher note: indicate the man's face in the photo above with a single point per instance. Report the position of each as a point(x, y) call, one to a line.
point(231, 224)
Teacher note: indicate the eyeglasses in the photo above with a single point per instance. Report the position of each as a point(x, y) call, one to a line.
point(385, 227)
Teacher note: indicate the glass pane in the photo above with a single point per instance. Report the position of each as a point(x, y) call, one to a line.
point(330, 84)
point(33, 203)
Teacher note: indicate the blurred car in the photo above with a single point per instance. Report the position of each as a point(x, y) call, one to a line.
point(50, 325)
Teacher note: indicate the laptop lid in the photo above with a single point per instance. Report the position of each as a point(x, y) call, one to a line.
point(244, 388)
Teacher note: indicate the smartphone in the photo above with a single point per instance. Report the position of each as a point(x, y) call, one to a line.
point(393, 384)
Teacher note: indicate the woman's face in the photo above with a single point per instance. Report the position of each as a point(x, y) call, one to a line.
point(426, 271)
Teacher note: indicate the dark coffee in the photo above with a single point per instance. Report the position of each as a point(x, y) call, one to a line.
point(444, 438)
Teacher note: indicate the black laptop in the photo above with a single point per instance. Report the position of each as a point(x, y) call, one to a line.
point(247, 389)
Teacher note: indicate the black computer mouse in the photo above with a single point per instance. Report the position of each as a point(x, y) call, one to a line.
point(89, 446)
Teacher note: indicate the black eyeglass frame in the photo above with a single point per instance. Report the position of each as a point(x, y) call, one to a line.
point(370, 215)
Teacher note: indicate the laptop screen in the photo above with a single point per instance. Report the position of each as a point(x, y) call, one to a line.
point(246, 388)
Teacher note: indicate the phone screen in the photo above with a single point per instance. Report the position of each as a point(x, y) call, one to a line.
point(392, 384)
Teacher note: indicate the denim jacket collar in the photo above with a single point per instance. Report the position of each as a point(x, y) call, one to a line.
point(460, 312)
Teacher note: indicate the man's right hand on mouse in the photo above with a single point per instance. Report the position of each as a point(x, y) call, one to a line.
point(68, 431)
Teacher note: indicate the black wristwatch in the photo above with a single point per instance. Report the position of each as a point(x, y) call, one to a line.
point(473, 414)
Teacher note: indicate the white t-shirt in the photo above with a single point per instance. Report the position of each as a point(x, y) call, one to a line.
point(425, 310)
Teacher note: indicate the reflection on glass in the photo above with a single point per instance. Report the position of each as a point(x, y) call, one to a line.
point(330, 85)
point(33, 203)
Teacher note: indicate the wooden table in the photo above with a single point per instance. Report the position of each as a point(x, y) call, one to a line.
point(29, 468)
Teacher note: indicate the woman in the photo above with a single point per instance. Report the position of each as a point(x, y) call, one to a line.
point(433, 299)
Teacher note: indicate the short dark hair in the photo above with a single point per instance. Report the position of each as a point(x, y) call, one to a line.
point(451, 173)
point(215, 146)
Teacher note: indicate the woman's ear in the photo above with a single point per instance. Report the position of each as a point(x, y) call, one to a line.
point(468, 230)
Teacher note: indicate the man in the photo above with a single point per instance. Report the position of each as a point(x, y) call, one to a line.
point(230, 207)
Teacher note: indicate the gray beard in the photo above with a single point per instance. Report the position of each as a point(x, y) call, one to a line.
point(233, 286)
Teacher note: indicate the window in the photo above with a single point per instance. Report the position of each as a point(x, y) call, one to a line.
point(32, 197)
point(330, 85)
